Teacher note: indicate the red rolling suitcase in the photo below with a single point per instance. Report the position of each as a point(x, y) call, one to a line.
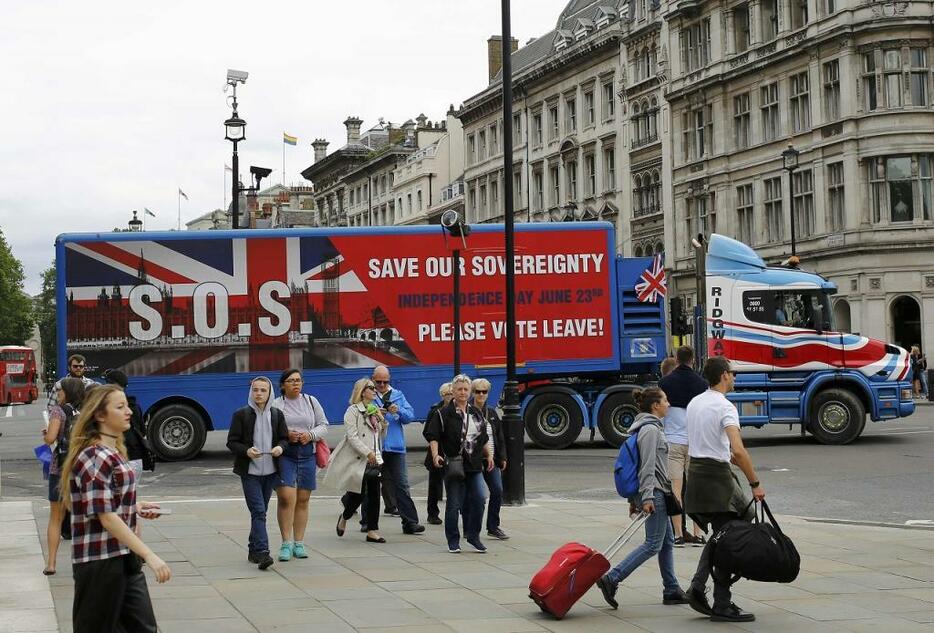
point(572, 571)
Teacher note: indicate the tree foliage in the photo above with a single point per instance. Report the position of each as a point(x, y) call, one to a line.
point(15, 305)
point(44, 315)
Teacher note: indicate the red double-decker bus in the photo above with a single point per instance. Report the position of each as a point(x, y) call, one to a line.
point(17, 374)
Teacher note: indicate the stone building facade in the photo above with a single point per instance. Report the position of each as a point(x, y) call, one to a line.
point(848, 84)
point(388, 175)
point(567, 131)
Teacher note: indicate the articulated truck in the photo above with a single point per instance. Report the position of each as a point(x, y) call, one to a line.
point(191, 317)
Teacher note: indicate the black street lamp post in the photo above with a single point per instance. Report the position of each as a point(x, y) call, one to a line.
point(235, 131)
point(514, 481)
point(790, 163)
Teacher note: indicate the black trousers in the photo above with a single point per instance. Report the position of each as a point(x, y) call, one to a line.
point(721, 581)
point(369, 498)
point(111, 596)
point(388, 489)
point(435, 491)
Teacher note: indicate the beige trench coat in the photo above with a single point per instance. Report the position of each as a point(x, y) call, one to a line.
point(348, 461)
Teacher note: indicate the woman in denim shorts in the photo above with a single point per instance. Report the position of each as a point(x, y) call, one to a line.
point(297, 468)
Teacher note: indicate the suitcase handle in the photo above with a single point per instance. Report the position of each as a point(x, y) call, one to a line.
point(627, 534)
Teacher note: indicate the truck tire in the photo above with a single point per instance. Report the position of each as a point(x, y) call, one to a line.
point(553, 420)
point(837, 417)
point(177, 433)
point(615, 417)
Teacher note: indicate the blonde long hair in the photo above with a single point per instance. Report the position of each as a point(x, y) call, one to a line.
point(86, 431)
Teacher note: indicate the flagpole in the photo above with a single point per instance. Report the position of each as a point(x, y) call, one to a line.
point(178, 223)
point(224, 208)
point(283, 162)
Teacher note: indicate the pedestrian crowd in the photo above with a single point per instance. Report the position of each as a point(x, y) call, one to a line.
point(687, 436)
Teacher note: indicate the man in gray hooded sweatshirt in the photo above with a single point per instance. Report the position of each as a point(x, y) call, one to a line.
point(258, 435)
point(654, 487)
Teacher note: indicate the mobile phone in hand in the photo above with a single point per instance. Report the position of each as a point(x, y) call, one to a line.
point(160, 511)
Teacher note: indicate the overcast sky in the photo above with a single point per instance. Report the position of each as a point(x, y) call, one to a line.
point(112, 106)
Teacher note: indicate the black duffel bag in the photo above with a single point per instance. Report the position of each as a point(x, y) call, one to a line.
point(756, 550)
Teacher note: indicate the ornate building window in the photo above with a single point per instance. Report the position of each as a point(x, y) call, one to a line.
point(609, 105)
point(609, 169)
point(590, 117)
point(590, 169)
point(774, 222)
point(901, 187)
point(885, 73)
point(802, 202)
point(697, 131)
point(836, 197)
point(537, 123)
point(920, 77)
point(800, 102)
point(741, 120)
point(570, 115)
point(768, 12)
point(571, 168)
point(768, 108)
point(745, 222)
point(694, 42)
point(832, 90)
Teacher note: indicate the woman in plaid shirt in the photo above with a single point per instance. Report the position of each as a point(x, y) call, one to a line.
point(107, 555)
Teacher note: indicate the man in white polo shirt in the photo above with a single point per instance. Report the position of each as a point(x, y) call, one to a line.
point(713, 494)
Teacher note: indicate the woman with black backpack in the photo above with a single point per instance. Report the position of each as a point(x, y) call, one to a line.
point(69, 397)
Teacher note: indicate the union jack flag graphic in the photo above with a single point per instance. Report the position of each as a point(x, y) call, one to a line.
point(213, 306)
point(653, 285)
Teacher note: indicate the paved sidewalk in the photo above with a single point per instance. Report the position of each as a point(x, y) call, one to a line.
point(854, 578)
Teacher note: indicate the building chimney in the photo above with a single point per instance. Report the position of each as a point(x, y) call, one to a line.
point(353, 129)
point(494, 52)
point(321, 149)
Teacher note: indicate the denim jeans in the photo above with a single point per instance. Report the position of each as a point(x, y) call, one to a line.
point(399, 475)
point(494, 481)
point(464, 499)
point(256, 490)
point(659, 539)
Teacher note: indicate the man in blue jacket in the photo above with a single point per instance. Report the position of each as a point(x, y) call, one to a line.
point(397, 412)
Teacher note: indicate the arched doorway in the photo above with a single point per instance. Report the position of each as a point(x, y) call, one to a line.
point(906, 321)
point(841, 316)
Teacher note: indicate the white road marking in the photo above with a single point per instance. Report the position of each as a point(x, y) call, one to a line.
point(927, 522)
point(9, 411)
point(781, 470)
point(45, 416)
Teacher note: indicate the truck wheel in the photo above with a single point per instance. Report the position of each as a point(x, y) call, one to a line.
point(553, 420)
point(177, 433)
point(615, 417)
point(837, 417)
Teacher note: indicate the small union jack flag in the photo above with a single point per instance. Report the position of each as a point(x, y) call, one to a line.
point(652, 285)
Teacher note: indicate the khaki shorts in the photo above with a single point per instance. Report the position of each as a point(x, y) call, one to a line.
point(678, 461)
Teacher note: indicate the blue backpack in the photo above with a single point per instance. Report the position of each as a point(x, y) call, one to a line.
point(626, 468)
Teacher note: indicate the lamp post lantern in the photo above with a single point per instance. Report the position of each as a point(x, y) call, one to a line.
point(135, 224)
point(514, 480)
point(790, 163)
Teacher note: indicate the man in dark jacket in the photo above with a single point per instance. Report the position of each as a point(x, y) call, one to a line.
point(681, 385)
point(459, 433)
point(492, 476)
point(436, 475)
point(257, 437)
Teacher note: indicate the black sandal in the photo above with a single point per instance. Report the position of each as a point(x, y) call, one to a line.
point(48, 572)
point(370, 539)
point(340, 531)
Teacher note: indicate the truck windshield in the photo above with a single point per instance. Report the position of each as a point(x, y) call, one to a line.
point(797, 308)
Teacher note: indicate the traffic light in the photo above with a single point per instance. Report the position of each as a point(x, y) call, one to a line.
point(680, 325)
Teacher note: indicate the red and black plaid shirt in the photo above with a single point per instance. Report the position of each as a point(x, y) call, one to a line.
point(102, 481)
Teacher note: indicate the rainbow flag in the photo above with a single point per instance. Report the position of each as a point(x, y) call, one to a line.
point(289, 140)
